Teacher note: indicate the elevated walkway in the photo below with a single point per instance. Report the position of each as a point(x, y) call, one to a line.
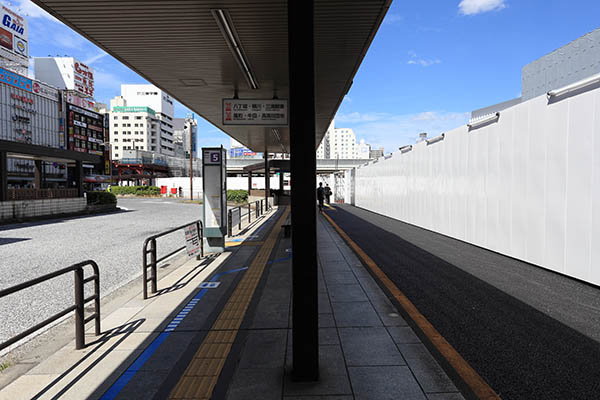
point(220, 328)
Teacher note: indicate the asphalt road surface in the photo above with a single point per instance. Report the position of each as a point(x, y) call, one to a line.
point(114, 241)
point(494, 310)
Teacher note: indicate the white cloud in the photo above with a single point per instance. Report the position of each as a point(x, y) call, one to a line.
point(472, 7)
point(424, 63)
point(394, 130)
point(31, 10)
point(356, 117)
point(69, 39)
point(393, 18)
point(94, 58)
point(416, 60)
point(106, 80)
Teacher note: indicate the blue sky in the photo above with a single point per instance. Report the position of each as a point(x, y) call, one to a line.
point(431, 63)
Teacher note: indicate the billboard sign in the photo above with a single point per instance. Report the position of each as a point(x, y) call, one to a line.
point(255, 112)
point(79, 101)
point(44, 90)
point(14, 37)
point(6, 39)
point(16, 80)
point(83, 79)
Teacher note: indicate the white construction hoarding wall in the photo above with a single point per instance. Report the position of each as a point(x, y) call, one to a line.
point(527, 186)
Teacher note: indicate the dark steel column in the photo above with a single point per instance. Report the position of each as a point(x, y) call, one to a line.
point(305, 344)
point(249, 183)
point(280, 180)
point(38, 171)
point(267, 178)
point(3, 176)
point(79, 178)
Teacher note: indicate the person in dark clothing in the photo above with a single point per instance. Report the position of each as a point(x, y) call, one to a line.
point(328, 193)
point(320, 195)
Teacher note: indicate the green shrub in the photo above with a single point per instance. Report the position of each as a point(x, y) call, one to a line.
point(136, 190)
point(237, 196)
point(97, 198)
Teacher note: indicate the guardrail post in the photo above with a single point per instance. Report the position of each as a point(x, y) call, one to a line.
point(153, 265)
point(145, 271)
point(97, 300)
point(229, 223)
point(201, 238)
point(79, 309)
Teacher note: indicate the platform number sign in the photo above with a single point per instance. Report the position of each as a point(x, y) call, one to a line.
point(212, 157)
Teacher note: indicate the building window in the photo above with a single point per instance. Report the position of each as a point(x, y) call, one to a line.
point(116, 147)
point(116, 125)
point(125, 117)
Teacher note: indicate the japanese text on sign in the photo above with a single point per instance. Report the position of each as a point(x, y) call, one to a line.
point(192, 240)
point(255, 112)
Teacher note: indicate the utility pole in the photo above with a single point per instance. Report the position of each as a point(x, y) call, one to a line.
point(190, 120)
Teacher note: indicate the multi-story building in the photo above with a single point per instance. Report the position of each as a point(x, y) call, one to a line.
point(238, 150)
point(66, 73)
point(162, 104)
point(376, 153)
point(182, 129)
point(363, 150)
point(340, 143)
point(135, 128)
point(141, 119)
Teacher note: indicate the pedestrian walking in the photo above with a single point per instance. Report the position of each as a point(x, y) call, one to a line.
point(320, 195)
point(328, 193)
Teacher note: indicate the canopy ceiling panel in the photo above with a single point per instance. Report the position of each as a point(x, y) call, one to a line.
point(178, 46)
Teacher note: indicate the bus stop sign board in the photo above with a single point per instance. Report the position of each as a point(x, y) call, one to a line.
point(214, 183)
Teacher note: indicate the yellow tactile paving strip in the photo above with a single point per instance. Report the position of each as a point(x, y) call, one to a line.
point(200, 376)
point(246, 243)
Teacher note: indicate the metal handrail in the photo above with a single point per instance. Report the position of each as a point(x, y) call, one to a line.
point(80, 302)
point(260, 208)
point(154, 261)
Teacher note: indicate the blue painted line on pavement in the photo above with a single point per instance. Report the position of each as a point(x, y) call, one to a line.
point(124, 379)
point(280, 259)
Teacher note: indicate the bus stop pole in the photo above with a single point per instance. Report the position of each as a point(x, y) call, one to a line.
point(305, 338)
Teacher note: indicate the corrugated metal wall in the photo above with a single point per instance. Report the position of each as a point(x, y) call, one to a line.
point(527, 186)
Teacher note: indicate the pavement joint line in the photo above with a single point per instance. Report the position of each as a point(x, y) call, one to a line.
point(193, 386)
point(470, 377)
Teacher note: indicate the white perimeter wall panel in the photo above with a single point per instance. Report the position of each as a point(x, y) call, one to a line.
point(527, 186)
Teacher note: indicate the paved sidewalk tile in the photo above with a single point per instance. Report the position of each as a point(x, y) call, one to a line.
point(346, 293)
point(355, 314)
point(430, 375)
point(333, 376)
point(382, 383)
point(369, 346)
